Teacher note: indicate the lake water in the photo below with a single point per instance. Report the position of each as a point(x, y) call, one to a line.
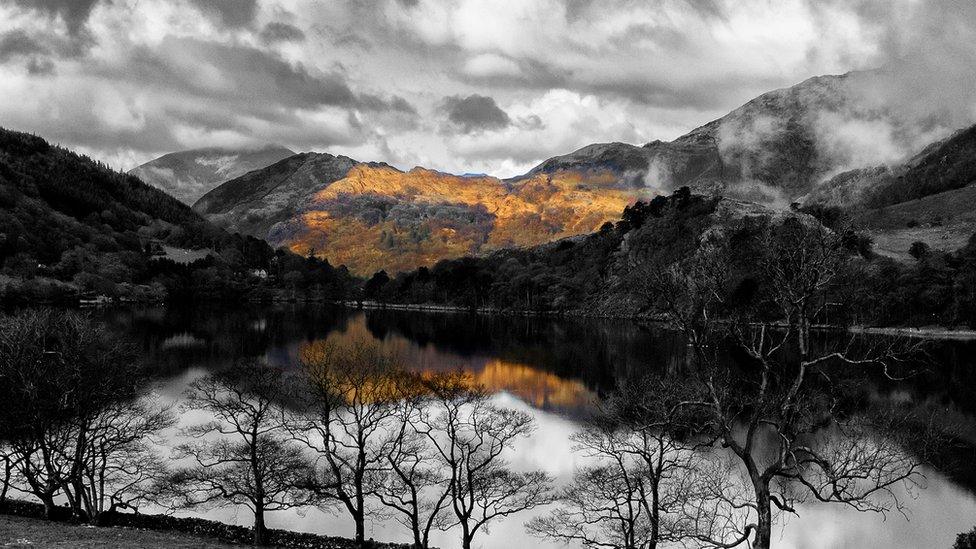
point(554, 369)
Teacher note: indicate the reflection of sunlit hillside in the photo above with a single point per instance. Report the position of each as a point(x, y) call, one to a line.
point(537, 387)
point(378, 217)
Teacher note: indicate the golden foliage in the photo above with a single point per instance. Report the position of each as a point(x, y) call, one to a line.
point(527, 212)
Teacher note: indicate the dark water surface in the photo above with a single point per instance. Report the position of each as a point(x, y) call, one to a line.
point(555, 369)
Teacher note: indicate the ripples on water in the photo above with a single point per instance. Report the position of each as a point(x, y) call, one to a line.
point(555, 369)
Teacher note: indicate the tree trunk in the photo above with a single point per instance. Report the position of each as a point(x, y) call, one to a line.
point(655, 514)
point(259, 530)
point(50, 509)
point(360, 527)
point(465, 536)
point(765, 518)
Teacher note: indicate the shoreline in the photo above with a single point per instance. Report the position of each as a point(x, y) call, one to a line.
point(919, 332)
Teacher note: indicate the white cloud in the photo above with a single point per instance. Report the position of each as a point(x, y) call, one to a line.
point(567, 74)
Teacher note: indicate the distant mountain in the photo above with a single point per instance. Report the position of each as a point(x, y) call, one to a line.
point(371, 216)
point(188, 175)
point(793, 144)
point(776, 148)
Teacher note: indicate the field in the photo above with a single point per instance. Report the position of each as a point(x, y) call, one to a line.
point(944, 221)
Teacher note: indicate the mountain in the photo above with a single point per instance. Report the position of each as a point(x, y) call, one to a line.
point(776, 148)
point(188, 175)
point(796, 144)
point(371, 216)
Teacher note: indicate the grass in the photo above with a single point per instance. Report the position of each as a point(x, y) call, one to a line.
point(29, 532)
point(944, 221)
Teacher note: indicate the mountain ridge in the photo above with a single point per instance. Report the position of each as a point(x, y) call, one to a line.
point(189, 174)
point(778, 148)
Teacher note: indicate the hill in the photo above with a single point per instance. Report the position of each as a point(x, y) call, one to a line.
point(188, 175)
point(371, 216)
point(605, 273)
point(929, 198)
point(591, 274)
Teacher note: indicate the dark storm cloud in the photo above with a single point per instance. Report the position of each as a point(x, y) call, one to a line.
point(474, 113)
point(18, 43)
point(230, 13)
point(281, 32)
point(74, 12)
point(249, 77)
point(36, 51)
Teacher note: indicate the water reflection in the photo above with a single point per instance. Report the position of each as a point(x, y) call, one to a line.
point(555, 369)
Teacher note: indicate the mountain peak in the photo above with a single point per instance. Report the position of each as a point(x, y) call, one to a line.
point(187, 175)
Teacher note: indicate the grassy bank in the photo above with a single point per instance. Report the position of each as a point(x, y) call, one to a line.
point(21, 525)
point(31, 532)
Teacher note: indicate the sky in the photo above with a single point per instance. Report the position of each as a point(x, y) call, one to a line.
point(463, 86)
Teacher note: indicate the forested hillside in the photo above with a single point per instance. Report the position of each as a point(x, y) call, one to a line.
point(70, 225)
point(607, 272)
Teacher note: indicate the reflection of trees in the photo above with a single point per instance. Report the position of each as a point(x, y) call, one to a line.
point(596, 351)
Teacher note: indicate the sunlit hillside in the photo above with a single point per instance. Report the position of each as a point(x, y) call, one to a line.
point(377, 217)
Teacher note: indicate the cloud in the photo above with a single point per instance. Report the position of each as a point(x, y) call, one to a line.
point(74, 13)
point(230, 13)
point(474, 113)
point(17, 43)
point(547, 76)
point(277, 31)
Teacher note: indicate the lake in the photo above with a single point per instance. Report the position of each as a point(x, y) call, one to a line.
point(555, 369)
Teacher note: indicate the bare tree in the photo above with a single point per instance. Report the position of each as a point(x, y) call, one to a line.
point(9, 459)
point(413, 482)
point(122, 468)
point(349, 407)
point(780, 412)
point(638, 479)
point(240, 457)
point(58, 371)
point(470, 436)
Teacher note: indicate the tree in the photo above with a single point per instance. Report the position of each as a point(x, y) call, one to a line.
point(348, 406)
point(413, 483)
point(781, 410)
point(240, 457)
point(59, 372)
point(122, 469)
point(919, 250)
point(639, 478)
point(470, 435)
point(965, 540)
point(373, 287)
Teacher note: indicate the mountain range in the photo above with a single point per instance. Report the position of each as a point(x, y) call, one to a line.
point(826, 140)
